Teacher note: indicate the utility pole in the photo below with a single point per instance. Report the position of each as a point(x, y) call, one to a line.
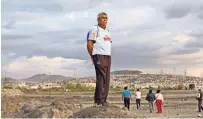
point(185, 72)
point(174, 70)
point(161, 78)
point(161, 71)
point(112, 75)
point(185, 75)
point(174, 74)
point(5, 77)
point(75, 74)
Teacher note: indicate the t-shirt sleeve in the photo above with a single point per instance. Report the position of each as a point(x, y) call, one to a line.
point(92, 34)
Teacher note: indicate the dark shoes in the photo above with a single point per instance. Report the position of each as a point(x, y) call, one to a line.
point(97, 103)
point(105, 103)
point(102, 103)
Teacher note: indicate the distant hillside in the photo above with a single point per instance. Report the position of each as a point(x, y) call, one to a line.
point(47, 78)
point(124, 72)
point(8, 79)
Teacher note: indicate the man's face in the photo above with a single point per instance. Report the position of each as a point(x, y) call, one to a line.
point(103, 20)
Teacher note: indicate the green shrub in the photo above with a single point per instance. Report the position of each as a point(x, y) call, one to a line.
point(192, 86)
point(7, 87)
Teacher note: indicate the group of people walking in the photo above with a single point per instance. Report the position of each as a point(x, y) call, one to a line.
point(153, 99)
point(150, 97)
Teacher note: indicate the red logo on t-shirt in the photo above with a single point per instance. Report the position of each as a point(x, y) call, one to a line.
point(107, 38)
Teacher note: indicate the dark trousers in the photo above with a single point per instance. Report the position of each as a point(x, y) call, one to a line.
point(102, 65)
point(200, 108)
point(138, 103)
point(127, 102)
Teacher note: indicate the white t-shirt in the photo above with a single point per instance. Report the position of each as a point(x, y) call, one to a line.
point(159, 96)
point(102, 39)
point(138, 95)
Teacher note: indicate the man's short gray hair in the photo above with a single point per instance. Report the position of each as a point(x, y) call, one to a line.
point(100, 14)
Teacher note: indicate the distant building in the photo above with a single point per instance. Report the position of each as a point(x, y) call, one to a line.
point(199, 85)
point(34, 87)
point(89, 84)
point(21, 85)
point(49, 85)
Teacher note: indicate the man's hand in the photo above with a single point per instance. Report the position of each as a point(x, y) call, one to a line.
point(92, 60)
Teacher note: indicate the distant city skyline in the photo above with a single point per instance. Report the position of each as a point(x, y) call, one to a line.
point(78, 73)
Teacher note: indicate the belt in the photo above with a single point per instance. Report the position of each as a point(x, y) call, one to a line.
point(126, 97)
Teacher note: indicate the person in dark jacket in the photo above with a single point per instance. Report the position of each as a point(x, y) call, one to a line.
point(199, 99)
point(150, 98)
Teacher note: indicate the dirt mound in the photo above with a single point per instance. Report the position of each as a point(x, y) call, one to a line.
point(28, 107)
point(11, 92)
point(56, 109)
point(11, 104)
point(110, 111)
point(45, 107)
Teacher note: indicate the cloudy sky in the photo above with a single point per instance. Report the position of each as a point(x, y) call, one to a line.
point(148, 35)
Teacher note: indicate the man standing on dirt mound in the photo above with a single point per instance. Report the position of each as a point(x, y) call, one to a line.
point(99, 48)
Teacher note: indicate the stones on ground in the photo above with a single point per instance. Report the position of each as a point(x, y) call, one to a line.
point(23, 107)
point(110, 111)
point(10, 104)
point(35, 114)
point(199, 115)
point(27, 108)
point(80, 106)
point(125, 109)
point(56, 109)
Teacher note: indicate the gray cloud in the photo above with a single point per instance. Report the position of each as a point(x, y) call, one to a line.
point(201, 15)
point(8, 25)
point(136, 42)
point(30, 6)
point(197, 41)
point(68, 44)
point(182, 8)
point(177, 12)
point(182, 51)
point(135, 55)
point(54, 6)
point(14, 36)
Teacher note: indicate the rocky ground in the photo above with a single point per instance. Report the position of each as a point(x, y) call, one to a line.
point(18, 105)
point(169, 111)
